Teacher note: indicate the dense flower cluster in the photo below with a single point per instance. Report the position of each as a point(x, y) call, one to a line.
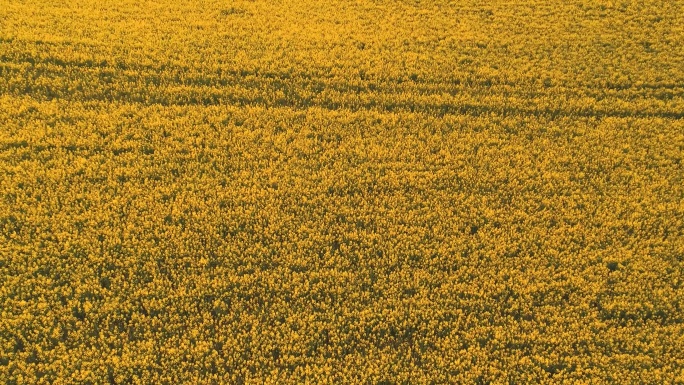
point(371, 192)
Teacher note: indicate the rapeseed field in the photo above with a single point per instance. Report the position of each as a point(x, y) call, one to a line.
point(341, 192)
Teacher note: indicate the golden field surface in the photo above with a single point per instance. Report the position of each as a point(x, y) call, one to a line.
point(341, 192)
